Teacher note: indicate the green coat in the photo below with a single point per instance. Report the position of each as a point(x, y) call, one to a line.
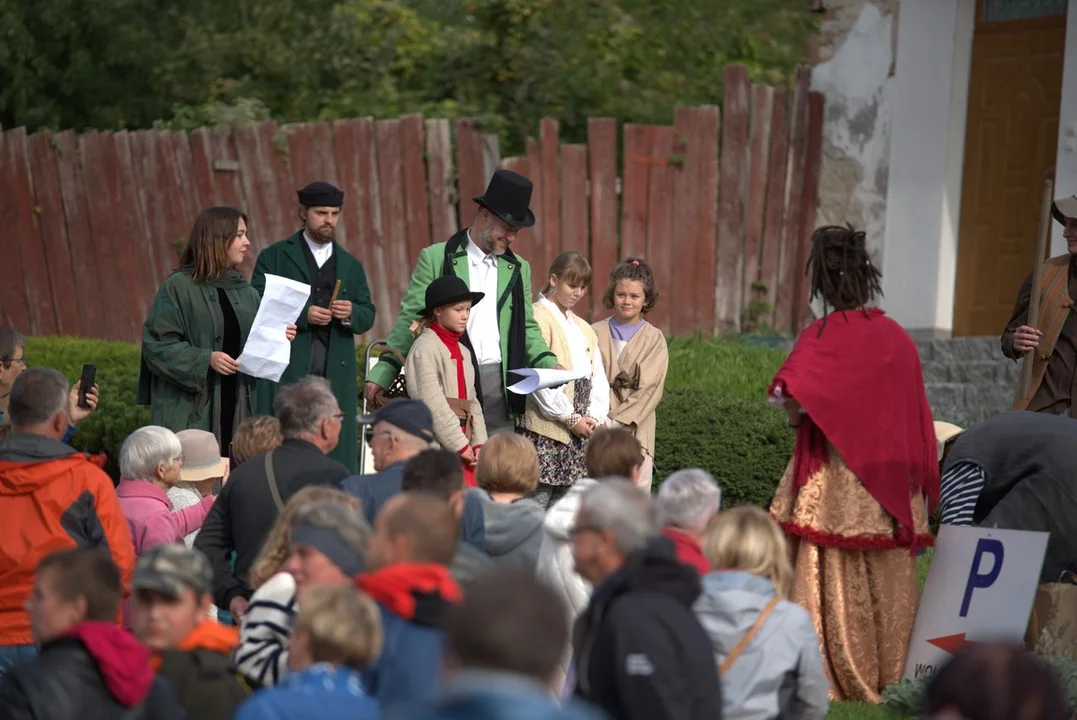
point(184, 327)
point(286, 258)
point(430, 266)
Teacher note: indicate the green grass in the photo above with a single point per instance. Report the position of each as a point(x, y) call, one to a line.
point(725, 366)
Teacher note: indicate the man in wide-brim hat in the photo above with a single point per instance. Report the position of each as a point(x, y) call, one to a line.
point(501, 332)
point(325, 342)
point(1053, 335)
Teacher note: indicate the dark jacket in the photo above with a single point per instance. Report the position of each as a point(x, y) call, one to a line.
point(103, 675)
point(185, 326)
point(1028, 460)
point(286, 258)
point(202, 674)
point(244, 511)
point(375, 490)
point(640, 651)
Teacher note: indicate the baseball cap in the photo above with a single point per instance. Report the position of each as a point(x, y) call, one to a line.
point(201, 456)
point(173, 568)
point(411, 416)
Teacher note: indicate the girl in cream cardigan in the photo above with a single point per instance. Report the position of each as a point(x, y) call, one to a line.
point(635, 356)
point(439, 370)
point(560, 420)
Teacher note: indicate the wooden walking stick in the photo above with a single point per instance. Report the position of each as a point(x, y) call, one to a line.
point(336, 290)
point(1025, 383)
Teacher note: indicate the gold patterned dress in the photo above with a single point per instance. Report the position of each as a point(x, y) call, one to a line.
point(853, 537)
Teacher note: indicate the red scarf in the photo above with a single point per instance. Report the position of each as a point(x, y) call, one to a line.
point(417, 592)
point(452, 341)
point(861, 384)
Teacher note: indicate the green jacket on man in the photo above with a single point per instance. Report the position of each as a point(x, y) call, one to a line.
point(431, 265)
point(286, 258)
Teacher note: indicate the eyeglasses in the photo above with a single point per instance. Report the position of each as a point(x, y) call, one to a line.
point(12, 361)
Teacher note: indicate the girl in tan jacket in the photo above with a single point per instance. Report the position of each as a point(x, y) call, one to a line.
point(635, 355)
point(439, 370)
point(560, 420)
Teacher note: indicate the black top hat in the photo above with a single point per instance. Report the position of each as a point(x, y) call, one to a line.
point(508, 196)
point(446, 290)
point(321, 194)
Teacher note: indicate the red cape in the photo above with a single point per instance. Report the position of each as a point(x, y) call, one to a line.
point(861, 384)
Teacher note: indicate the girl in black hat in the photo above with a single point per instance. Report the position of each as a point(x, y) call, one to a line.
point(439, 370)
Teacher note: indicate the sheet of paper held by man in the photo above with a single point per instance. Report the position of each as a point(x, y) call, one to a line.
point(268, 351)
point(540, 379)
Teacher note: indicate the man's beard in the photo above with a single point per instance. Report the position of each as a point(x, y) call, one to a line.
point(488, 244)
point(324, 234)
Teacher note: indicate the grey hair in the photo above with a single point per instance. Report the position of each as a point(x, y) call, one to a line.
point(615, 504)
point(145, 448)
point(344, 520)
point(303, 405)
point(37, 395)
point(688, 499)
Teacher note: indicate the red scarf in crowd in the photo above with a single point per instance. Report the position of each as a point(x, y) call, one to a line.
point(452, 342)
point(861, 384)
point(417, 592)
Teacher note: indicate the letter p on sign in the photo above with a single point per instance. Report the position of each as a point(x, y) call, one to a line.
point(977, 578)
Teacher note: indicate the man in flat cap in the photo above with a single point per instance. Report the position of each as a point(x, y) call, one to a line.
point(502, 335)
point(325, 343)
point(1053, 335)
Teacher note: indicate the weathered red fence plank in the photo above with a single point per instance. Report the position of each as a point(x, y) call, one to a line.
point(706, 259)
point(809, 203)
point(536, 247)
point(201, 169)
point(125, 252)
point(416, 195)
point(144, 162)
point(470, 182)
point(602, 152)
point(551, 187)
point(87, 281)
point(762, 110)
point(660, 219)
point(439, 165)
point(684, 292)
point(21, 223)
point(53, 232)
point(131, 209)
point(788, 268)
point(774, 220)
point(273, 146)
point(574, 234)
point(186, 184)
point(393, 208)
point(734, 186)
point(637, 155)
point(257, 189)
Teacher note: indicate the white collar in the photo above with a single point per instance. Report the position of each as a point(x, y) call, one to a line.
point(315, 247)
point(552, 306)
point(475, 254)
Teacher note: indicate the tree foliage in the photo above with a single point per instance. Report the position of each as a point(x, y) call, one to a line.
point(130, 63)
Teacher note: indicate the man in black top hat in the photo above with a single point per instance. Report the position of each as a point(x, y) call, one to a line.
point(501, 332)
point(325, 343)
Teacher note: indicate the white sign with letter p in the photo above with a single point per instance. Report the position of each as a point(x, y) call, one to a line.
point(980, 587)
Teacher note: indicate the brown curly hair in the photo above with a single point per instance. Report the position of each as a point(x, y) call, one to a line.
point(633, 268)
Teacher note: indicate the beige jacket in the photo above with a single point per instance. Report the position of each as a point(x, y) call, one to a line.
point(430, 376)
point(638, 375)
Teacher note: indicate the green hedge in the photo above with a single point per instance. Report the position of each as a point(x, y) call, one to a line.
point(714, 414)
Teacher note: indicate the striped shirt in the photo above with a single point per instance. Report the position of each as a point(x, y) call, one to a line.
point(264, 634)
point(962, 484)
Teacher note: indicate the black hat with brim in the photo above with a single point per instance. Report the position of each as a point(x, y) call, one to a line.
point(447, 290)
point(509, 196)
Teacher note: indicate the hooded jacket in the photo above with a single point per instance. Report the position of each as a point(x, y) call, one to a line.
point(780, 672)
point(640, 651)
point(513, 531)
point(54, 498)
point(206, 682)
point(413, 598)
point(96, 672)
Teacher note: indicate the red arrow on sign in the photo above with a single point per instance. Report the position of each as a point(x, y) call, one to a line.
point(950, 643)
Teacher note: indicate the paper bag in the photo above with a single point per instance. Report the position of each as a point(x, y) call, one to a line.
point(1052, 625)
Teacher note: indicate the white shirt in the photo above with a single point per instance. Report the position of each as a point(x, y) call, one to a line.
point(483, 326)
point(322, 253)
point(552, 402)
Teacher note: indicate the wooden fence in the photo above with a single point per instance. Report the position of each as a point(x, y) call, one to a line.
point(90, 224)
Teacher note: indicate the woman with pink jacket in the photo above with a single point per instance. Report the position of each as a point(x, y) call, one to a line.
point(150, 463)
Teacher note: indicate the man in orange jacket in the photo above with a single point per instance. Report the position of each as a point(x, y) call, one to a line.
point(53, 498)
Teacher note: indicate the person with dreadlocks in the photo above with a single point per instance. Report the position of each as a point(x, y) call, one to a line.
point(864, 475)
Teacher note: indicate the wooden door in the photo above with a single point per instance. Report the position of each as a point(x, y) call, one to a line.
point(1011, 136)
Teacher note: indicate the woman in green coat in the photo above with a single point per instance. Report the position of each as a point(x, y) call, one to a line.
point(196, 330)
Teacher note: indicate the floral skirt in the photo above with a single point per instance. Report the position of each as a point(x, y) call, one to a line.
point(560, 464)
point(853, 576)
